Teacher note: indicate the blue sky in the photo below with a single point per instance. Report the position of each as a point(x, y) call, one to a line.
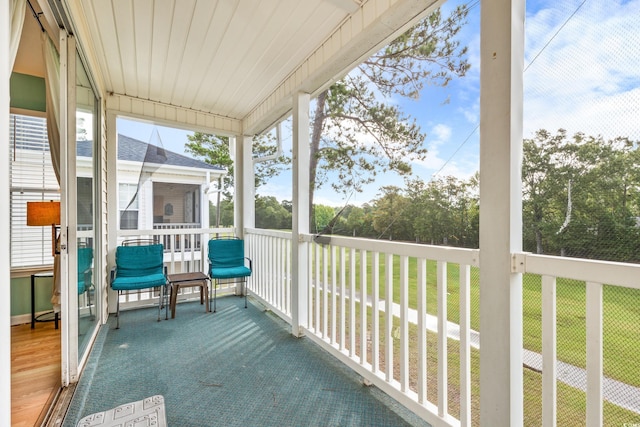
point(581, 74)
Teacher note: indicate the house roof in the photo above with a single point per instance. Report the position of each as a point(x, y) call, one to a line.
point(133, 150)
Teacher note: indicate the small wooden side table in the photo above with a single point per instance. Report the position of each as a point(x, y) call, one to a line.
point(188, 280)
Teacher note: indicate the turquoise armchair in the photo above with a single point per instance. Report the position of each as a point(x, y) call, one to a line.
point(139, 267)
point(227, 261)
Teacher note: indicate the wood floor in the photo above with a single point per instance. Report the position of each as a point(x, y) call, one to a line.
point(35, 372)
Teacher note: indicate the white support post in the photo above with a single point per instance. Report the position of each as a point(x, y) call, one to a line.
point(112, 204)
point(204, 202)
point(502, 57)
point(300, 185)
point(5, 275)
point(236, 147)
point(248, 173)
point(244, 186)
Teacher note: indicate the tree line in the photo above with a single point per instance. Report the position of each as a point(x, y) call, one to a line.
point(580, 198)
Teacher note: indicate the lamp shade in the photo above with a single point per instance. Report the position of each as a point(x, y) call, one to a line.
point(43, 213)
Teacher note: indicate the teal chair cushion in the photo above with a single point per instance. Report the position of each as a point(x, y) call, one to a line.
point(230, 272)
point(139, 282)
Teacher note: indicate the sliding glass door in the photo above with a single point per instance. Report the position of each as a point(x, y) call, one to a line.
point(88, 295)
point(79, 215)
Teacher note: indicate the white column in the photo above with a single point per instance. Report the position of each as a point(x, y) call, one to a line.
point(5, 267)
point(248, 177)
point(244, 183)
point(204, 201)
point(112, 205)
point(244, 186)
point(501, 49)
point(238, 147)
point(300, 186)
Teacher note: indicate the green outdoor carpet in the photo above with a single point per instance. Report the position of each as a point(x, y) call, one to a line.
point(236, 367)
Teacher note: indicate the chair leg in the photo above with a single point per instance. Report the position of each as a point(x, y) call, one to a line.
point(160, 298)
point(244, 283)
point(89, 302)
point(118, 311)
point(215, 294)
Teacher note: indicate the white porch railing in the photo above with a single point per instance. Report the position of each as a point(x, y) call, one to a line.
point(421, 357)
point(388, 342)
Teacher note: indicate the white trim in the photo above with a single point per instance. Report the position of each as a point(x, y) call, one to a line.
point(171, 115)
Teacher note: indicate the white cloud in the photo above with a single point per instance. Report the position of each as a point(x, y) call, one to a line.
point(460, 166)
point(442, 133)
point(587, 78)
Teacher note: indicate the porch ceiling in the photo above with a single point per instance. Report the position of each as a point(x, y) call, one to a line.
point(237, 59)
point(219, 57)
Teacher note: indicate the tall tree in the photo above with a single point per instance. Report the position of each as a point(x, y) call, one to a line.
point(580, 195)
point(390, 216)
point(214, 149)
point(356, 132)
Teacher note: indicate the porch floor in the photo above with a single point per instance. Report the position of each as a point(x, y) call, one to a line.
point(236, 367)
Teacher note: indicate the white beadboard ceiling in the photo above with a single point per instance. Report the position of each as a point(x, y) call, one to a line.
point(221, 57)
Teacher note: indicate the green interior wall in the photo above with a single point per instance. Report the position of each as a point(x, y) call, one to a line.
point(27, 92)
point(21, 295)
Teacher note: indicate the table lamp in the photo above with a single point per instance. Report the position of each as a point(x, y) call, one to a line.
point(45, 213)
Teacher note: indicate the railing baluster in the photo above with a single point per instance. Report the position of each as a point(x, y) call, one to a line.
point(363, 306)
point(317, 253)
point(310, 250)
point(594, 354)
point(404, 323)
point(352, 302)
point(375, 324)
point(263, 268)
point(549, 376)
point(279, 279)
point(288, 273)
point(422, 330)
point(272, 288)
point(388, 341)
point(334, 270)
point(325, 289)
point(343, 317)
point(442, 338)
point(465, 345)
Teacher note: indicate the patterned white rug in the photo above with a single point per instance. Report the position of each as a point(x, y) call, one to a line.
point(148, 412)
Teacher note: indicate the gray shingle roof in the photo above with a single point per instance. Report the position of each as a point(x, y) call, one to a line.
point(137, 151)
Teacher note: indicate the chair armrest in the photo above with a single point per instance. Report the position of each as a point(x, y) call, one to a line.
point(112, 274)
point(250, 263)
